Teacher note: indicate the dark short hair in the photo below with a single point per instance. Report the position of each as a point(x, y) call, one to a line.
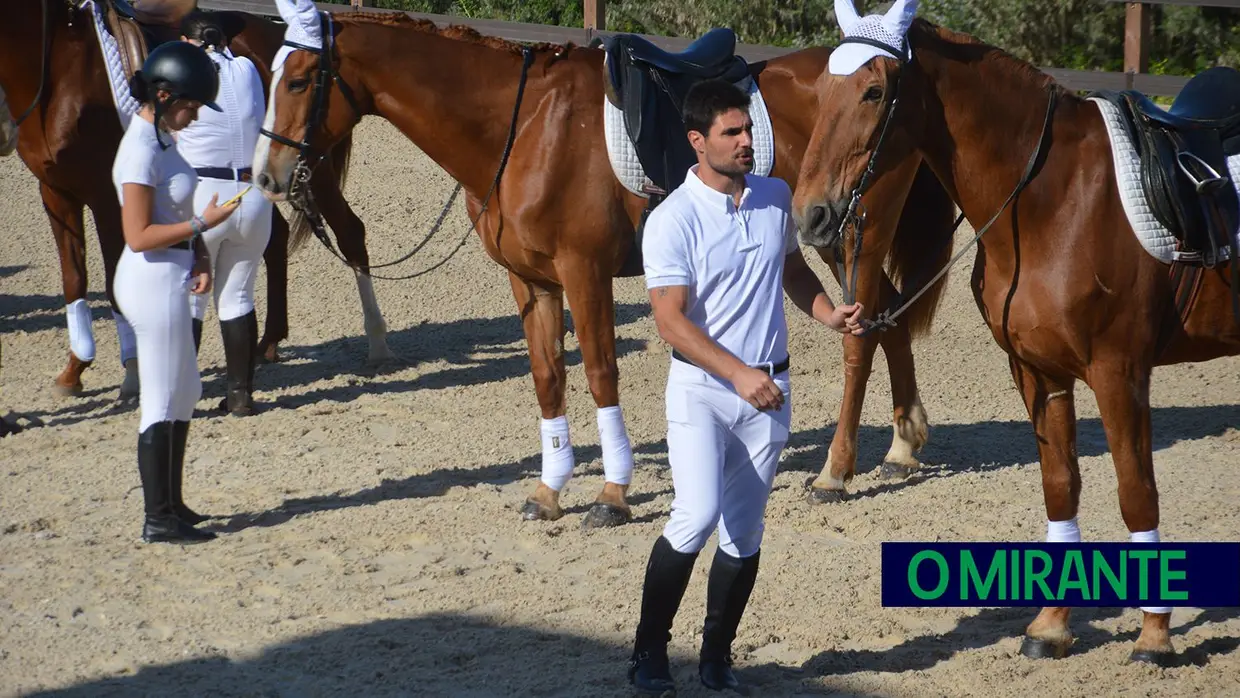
point(707, 100)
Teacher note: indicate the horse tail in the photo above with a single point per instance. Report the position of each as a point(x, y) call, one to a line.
point(299, 225)
point(921, 247)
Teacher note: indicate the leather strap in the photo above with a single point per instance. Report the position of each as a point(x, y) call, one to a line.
point(773, 370)
point(227, 173)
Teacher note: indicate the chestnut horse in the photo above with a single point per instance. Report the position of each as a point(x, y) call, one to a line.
point(1060, 277)
point(71, 155)
point(564, 226)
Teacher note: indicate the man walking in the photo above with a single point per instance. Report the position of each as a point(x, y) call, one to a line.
point(717, 252)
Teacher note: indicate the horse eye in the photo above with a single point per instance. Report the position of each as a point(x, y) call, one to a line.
point(298, 85)
point(874, 94)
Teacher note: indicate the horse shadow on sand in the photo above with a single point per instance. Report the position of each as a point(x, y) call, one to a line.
point(437, 654)
point(954, 449)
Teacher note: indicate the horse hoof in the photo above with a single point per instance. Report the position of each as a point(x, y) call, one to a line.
point(1037, 648)
point(533, 511)
point(268, 354)
point(605, 516)
point(821, 496)
point(62, 390)
point(894, 471)
point(1159, 658)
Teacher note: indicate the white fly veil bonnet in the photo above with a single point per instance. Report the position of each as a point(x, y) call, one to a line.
point(303, 28)
point(871, 36)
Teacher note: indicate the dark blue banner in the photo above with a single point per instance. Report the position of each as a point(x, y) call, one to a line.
point(1200, 575)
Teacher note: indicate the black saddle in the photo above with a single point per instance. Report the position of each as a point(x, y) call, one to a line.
point(1184, 153)
point(649, 85)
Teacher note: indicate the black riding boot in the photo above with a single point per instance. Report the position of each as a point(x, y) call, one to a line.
point(197, 335)
point(667, 575)
point(727, 594)
point(240, 351)
point(155, 459)
point(180, 434)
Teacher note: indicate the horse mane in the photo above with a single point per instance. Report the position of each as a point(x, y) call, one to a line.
point(456, 32)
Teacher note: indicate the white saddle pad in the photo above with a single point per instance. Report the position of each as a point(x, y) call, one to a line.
point(126, 105)
point(628, 168)
point(1154, 237)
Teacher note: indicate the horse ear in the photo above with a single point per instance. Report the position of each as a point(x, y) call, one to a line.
point(900, 17)
point(846, 15)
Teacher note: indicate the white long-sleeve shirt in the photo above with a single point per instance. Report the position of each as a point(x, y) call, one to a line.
point(227, 138)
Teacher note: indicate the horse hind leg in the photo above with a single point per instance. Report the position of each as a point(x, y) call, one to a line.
point(68, 228)
point(1052, 411)
point(590, 298)
point(542, 320)
point(1123, 393)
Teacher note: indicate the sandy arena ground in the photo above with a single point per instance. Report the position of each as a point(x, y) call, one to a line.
point(370, 538)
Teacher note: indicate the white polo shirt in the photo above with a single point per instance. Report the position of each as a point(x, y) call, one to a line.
point(227, 138)
point(731, 258)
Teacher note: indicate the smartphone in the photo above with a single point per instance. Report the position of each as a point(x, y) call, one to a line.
point(237, 197)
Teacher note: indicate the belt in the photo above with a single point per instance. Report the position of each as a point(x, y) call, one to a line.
point(228, 173)
point(183, 245)
point(772, 369)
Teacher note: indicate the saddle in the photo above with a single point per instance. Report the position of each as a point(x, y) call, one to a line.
point(1183, 153)
point(141, 25)
point(648, 85)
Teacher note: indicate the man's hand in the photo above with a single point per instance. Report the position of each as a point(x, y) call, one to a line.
point(846, 319)
point(756, 387)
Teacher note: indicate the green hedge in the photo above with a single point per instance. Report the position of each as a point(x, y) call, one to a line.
point(1080, 34)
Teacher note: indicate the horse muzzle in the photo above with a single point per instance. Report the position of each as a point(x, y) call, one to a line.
point(820, 226)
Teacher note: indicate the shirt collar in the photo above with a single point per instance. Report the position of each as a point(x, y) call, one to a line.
point(712, 196)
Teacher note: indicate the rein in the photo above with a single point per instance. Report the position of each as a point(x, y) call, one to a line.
point(301, 197)
point(46, 47)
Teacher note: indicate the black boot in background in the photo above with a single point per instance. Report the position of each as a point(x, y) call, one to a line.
point(240, 354)
point(197, 335)
point(667, 575)
point(180, 435)
point(161, 525)
point(727, 594)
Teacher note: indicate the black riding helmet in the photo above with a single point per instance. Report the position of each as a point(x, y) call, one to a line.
point(184, 70)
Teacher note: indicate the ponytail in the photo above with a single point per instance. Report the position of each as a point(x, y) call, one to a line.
point(139, 88)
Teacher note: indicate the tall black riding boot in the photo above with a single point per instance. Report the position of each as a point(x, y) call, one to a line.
point(180, 434)
point(727, 594)
point(197, 334)
point(240, 351)
point(667, 575)
point(161, 525)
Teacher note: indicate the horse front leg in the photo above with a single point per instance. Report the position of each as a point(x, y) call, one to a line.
point(1049, 402)
point(910, 424)
point(542, 320)
point(1122, 388)
point(590, 298)
point(275, 257)
point(65, 214)
point(350, 234)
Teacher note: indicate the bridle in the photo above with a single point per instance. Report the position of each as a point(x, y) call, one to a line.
point(308, 157)
point(887, 318)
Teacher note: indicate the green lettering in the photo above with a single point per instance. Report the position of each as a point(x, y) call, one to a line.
point(916, 588)
point(1143, 571)
point(1038, 578)
point(1015, 567)
point(969, 575)
point(1073, 563)
point(1166, 575)
point(1118, 585)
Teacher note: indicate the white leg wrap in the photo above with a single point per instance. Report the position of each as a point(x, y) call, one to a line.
point(1148, 537)
point(557, 453)
point(1063, 531)
point(81, 338)
point(124, 332)
point(617, 451)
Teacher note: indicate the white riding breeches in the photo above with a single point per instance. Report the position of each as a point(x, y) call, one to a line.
point(236, 247)
point(724, 454)
point(152, 290)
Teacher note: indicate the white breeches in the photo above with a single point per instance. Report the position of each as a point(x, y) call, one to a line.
point(723, 454)
point(152, 290)
point(236, 247)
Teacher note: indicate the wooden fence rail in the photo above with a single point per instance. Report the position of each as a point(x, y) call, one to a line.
point(1136, 37)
